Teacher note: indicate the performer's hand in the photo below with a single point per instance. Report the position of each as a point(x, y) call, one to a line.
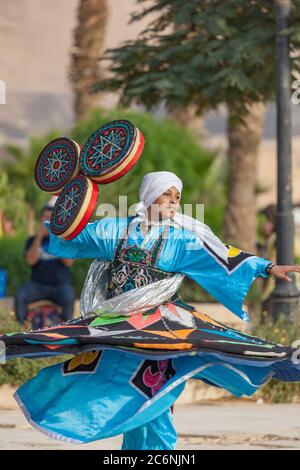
point(280, 271)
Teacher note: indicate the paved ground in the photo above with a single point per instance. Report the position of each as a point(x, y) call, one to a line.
point(226, 425)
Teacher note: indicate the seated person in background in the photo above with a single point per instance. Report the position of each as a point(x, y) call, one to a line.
point(50, 276)
point(267, 249)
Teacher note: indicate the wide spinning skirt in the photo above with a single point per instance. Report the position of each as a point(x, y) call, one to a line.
point(126, 372)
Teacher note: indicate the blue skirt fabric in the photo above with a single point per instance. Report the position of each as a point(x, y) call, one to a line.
point(106, 393)
point(126, 373)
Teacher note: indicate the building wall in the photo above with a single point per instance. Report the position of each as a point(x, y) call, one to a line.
point(35, 43)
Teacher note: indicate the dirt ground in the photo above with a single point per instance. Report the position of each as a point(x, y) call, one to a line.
point(233, 424)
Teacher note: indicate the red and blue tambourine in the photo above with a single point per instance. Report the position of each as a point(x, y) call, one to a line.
point(111, 151)
point(73, 174)
point(74, 207)
point(57, 164)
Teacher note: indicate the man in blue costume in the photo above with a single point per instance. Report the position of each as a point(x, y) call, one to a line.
point(140, 342)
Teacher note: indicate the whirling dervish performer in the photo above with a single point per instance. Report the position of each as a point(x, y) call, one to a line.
point(137, 342)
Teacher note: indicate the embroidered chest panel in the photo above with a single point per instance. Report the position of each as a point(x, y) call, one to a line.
point(134, 266)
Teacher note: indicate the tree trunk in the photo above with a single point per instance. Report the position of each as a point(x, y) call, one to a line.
point(89, 36)
point(243, 146)
point(187, 117)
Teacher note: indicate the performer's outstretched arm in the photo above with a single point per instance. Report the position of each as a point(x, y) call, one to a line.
point(92, 242)
point(227, 280)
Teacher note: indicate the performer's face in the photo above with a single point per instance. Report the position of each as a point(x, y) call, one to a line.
point(166, 205)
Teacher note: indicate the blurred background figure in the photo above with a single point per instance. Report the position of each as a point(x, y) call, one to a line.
point(50, 276)
point(267, 247)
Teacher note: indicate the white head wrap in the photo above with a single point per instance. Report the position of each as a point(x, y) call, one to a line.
point(156, 183)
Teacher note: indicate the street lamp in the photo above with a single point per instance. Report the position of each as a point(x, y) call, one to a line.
point(285, 296)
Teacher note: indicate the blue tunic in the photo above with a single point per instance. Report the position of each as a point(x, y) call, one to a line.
point(182, 252)
point(110, 389)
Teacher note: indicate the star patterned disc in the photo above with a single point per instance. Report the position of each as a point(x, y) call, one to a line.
point(111, 151)
point(74, 207)
point(105, 150)
point(68, 204)
point(57, 164)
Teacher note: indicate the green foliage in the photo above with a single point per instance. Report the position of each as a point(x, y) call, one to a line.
point(192, 292)
point(78, 274)
point(20, 169)
point(167, 147)
point(281, 331)
point(12, 202)
point(13, 261)
point(18, 371)
point(205, 53)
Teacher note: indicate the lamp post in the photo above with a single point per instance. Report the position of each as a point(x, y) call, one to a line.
point(285, 296)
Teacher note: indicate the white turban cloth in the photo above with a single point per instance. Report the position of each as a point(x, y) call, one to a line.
point(154, 185)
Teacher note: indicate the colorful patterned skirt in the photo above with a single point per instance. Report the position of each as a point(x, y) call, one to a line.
point(127, 372)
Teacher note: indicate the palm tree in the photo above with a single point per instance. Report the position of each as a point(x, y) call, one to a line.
point(187, 117)
point(89, 37)
point(243, 145)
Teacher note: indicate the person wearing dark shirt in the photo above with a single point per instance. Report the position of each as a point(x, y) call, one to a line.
point(50, 276)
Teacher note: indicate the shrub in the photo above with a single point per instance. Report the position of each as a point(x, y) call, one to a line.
point(167, 147)
point(13, 261)
point(19, 370)
point(281, 331)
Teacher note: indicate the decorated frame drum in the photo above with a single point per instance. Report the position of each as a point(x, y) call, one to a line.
point(74, 207)
point(57, 164)
point(111, 151)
